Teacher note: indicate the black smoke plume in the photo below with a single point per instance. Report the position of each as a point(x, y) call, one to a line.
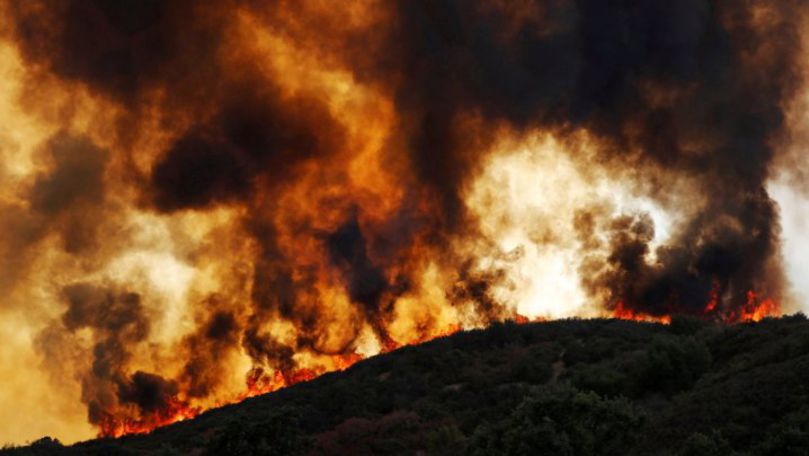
point(691, 88)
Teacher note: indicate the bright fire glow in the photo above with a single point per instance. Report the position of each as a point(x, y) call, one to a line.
point(307, 226)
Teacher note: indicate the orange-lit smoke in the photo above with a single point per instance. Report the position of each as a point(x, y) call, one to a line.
point(205, 201)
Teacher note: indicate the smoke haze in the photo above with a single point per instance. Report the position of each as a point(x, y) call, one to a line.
point(203, 201)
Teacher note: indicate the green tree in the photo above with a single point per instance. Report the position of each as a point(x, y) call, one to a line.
point(561, 420)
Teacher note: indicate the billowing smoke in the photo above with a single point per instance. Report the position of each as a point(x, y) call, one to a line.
point(217, 199)
point(118, 323)
point(689, 87)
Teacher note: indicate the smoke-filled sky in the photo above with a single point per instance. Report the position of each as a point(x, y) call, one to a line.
point(200, 201)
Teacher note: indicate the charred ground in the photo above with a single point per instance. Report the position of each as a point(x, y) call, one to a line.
point(562, 387)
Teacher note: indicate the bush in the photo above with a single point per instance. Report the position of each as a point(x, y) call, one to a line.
point(789, 437)
point(279, 433)
point(673, 364)
point(686, 325)
point(602, 379)
point(561, 420)
point(699, 444)
point(396, 433)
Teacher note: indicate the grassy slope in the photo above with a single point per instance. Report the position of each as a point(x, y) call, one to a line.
point(565, 387)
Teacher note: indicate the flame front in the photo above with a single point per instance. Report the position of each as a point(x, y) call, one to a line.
point(173, 411)
point(202, 202)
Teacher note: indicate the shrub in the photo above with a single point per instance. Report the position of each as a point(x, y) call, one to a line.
point(788, 437)
point(561, 420)
point(673, 364)
point(279, 433)
point(699, 444)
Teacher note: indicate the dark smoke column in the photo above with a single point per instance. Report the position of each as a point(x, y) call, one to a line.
point(688, 87)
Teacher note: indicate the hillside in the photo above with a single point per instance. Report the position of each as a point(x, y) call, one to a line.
point(573, 387)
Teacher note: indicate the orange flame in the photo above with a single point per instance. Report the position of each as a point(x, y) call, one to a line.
point(312, 225)
point(713, 298)
point(343, 362)
point(622, 312)
point(176, 410)
point(259, 382)
point(757, 309)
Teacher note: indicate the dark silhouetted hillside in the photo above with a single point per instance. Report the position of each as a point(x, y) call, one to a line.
point(573, 387)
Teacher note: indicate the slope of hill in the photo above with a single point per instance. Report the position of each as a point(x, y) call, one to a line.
point(573, 387)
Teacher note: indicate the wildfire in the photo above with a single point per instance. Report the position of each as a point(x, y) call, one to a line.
point(757, 309)
point(259, 382)
point(174, 411)
point(522, 319)
point(337, 184)
point(713, 299)
point(622, 312)
point(343, 362)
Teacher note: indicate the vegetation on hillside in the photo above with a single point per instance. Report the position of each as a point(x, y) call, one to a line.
point(573, 387)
